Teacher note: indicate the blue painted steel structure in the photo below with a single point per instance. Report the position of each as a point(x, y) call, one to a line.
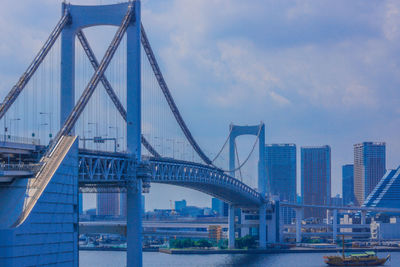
point(259, 132)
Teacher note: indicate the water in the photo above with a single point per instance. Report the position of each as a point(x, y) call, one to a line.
point(153, 259)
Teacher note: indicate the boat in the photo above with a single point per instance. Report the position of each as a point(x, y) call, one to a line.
point(367, 258)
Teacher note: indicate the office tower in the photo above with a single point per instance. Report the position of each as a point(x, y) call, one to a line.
point(280, 162)
point(219, 207)
point(180, 205)
point(108, 204)
point(348, 184)
point(386, 193)
point(369, 168)
point(315, 179)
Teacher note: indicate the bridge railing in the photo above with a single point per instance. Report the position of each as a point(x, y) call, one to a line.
point(19, 139)
point(35, 167)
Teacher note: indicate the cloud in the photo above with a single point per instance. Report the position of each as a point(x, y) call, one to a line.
point(391, 25)
point(298, 65)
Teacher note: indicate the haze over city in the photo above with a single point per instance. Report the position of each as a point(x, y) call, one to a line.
point(315, 72)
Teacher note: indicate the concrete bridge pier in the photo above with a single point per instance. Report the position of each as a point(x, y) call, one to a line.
point(299, 218)
point(262, 226)
point(231, 226)
point(334, 225)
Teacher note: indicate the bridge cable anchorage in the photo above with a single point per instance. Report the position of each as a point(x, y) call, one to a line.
point(87, 93)
point(17, 89)
point(110, 91)
point(163, 85)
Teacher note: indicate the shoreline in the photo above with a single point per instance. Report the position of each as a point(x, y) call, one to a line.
point(246, 251)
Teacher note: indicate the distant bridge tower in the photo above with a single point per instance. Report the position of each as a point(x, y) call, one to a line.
point(89, 16)
point(259, 132)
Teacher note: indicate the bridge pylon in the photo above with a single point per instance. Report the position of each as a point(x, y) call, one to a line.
point(259, 132)
point(89, 16)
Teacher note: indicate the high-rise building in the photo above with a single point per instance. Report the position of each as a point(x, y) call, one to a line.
point(369, 168)
point(108, 204)
point(348, 184)
point(180, 205)
point(280, 161)
point(315, 179)
point(386, 193)
point(219, 207)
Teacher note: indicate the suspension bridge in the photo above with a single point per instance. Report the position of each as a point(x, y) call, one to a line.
point(111, 128)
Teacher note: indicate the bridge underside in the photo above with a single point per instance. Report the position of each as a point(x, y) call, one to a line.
point(219, 191)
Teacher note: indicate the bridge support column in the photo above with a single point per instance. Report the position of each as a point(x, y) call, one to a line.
point(231, 226)
point(262, 232)
point(299, 218)
point(133, 137)
point(363, 214)
point(334, 225)
point(134, 225)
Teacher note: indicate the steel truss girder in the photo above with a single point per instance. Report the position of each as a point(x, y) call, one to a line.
point(95, 169)
point(100, 173)
point(204, 178)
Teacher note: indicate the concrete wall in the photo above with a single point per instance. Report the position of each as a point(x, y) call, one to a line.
point(49, 235)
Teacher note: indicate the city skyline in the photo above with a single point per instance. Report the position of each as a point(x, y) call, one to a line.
point(304, 104)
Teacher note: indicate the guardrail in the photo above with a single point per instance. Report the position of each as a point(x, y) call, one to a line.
point(35, 167)
point(19, 139)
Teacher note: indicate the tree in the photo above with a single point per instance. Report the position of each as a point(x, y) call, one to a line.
point(246, 242)
point(203, 243)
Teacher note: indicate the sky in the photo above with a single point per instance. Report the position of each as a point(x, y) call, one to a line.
point(315, 72)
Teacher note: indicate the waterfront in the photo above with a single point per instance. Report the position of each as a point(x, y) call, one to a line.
point(153, 259)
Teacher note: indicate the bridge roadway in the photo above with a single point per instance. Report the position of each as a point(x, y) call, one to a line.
point(105, 171)
point(345, 208)
point(162, 228)
point(100, 170)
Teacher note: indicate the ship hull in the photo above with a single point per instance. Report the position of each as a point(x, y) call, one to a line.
point(351, 262)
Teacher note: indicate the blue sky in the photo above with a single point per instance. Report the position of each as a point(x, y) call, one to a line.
point(316, 72)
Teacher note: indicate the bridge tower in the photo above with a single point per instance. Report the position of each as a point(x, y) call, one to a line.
point(89, 16)
point(259, 132)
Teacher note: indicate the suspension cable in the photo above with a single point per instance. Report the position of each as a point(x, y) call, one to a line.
point(17, 89)
point(171, 102)
point(248, 156)
point(222, 148)
point(237, 157)
point(88, 92)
